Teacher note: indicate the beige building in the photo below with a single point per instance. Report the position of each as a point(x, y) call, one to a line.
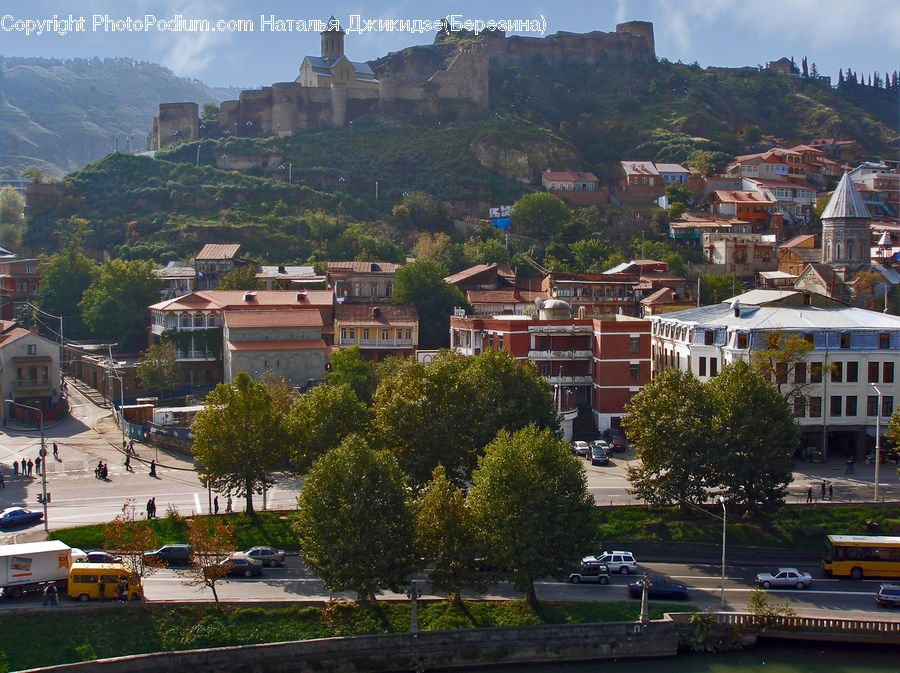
point(333, 67)
point(29, 371)
point(361, 282)
point(379, 331)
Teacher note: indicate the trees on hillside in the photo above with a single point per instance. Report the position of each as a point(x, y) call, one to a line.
point(421, 284)
point(531, 508)
point(734, 435)
point(114, 306)
point(239, 438)
point(354, 523)
point(540, 214)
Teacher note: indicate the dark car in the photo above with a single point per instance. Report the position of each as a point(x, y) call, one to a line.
point(659, 588)
point(266, 555)
point(170, 555)
point(888, 595)
point(241, 565)
point(99, 557)
point(591, 571)
point(19, 516)
point(599, 456)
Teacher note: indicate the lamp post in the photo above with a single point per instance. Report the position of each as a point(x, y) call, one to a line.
point(724, 521)
point(644, 584)
point(877, 442)
point(43, 458)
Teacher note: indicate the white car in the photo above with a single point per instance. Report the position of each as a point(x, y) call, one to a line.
point(618, 561)
point(784, 577)
point(580, 448)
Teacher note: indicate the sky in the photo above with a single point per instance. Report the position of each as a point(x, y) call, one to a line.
point(834, 34)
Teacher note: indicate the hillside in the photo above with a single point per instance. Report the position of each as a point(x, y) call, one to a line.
point(59, 115)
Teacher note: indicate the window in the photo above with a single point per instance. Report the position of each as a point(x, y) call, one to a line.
point(499, 341)
point(21, 286)
point(837, 372)
point(888, 372)
point(852, 372)
point(702, 368)
point(409, 335)
point(388, 289)
point(635, 343)
point(872, 405)
point(490, 340)
point(815, 372)
point(31, 349)
point(357, 289)
point(799, 406)
point(708, 337)
point(800, 372)
point(384, 335)
point(373, 289)
point(742, 340)
point(352, 333)
point(808, 337)
point(884, 341)
point(366, 333)
point(845, 340)
point(873, 372)
point(850, 406)
point(713, 366)
point(780, 372)
point(343, 333)
point(635, 372)
point(887, 405)
point(815, 407)
point(836, 405)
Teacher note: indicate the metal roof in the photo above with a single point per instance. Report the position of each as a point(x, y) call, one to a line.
point(846, 202)
point(783, 317)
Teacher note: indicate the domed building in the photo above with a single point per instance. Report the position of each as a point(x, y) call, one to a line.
point(846, 236)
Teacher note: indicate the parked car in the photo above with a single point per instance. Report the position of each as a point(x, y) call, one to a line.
point(784, 577)
point(888, 595)
point(98, 557)
point(19, 516)
point(170, 555)
point(591, 571)
point(618, 443)
point(659, 588)
point(266, 555)
point(618, 561)
point(599, 455)
point(580, 448)
point(241, 565)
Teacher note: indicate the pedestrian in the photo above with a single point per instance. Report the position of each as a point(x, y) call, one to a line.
point(104, 471)
point(24, 469)
point(30, 466)
point(2, 484)
point(122, 590)
point(216, 505)
point(809, 494)
point(152, 468)
point(99, 469)
point(830, 491)
point(101, 588)
point(37, 464)
point(50, 594)
point(823, 490)
point(228, 505)
point(149, 509)
point(16, 469)
point(55, 451)
point(128, 462)
point(153, 505)
point(850, 469)
point(131, 447)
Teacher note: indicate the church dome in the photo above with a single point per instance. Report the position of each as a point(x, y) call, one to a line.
point(846, 203)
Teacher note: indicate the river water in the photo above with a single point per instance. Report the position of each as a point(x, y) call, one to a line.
point(767, 657)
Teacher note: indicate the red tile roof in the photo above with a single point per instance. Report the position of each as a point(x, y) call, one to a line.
point(308, 344)
point(569, 176)
point(364, 267)
point(226, 299)
point(286, 317)
point(363, 314)
point(219, 251)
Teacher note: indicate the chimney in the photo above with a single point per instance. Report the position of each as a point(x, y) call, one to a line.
point(301, 296)
point(736, 307)
point(282, 269)
point(250, 295)
point(375, 311)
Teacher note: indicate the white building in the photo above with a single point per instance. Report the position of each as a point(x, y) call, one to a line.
point(853, 363)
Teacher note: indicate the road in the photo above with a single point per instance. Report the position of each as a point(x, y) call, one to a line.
point(827, 597)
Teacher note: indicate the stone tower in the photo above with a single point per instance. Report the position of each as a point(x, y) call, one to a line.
point(333, 40)
point(846, 236)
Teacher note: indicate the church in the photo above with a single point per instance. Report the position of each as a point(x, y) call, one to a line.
point(333, 66)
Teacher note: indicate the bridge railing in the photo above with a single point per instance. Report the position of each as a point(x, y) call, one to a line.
point(808, 623)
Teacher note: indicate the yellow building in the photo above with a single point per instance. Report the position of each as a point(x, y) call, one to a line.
point(333, 66)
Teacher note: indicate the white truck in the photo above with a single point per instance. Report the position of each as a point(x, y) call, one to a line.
point(27, 567)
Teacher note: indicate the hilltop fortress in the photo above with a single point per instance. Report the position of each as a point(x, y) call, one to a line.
point(331, 90)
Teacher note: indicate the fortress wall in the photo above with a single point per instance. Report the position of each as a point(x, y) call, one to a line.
point(466, 77)
point(175, 122)
point(255, 112)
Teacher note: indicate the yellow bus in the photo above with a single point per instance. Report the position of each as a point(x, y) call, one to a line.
point(85, 581)
point(859, 556)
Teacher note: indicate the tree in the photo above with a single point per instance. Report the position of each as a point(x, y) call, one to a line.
point(65, 276)
point(676, 210)
point(531, 507)
point(589, 253)
point(781, 360)
point(701, 161)
point(678, 193)
point(320, 420)
point(540, 214)
point(668, 423)
point(755, 436)
point(346, 366)
point(419, 210)
point(241, 278)
point(12, 206)
point(157, 369)
point(421, 284)
point(892, 434)
point(445, 537)
point(490, 251)
point(35, 175)
point(212, 539)
point(129, 537)
point(114, 306)
point(354, 524)
point(715, 288)
point(239, 438)
point(209, 112)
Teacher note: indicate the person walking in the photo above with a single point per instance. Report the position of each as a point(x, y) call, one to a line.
point(104, 472)
point(131, 447)
point(16, 469)
point(2, 484)
point(809, 494)
point(228, 505)
point(216, 505)
point(50, 594)
point(149, 509)
point(128, 463)
point(152, 468)
point(30, 466)
point(153, 502)
point(101, 588)
point(55, 451)
point(850, 469)
point(822, 496)
point(831, 491)
point(37, 464)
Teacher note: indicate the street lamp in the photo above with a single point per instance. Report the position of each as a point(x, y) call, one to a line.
point(877, 442)
point(43, 458)
point(724, 521)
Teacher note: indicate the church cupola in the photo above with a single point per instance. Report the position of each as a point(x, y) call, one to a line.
point(333, 40)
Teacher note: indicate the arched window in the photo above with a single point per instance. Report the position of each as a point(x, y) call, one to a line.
point(827, 251)
point(837, 251)
point(184, 320)
point(850, 249)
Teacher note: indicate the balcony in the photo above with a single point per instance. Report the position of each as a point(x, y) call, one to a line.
point(32, 384)
point(188, 356)
point(560, 329)
point(377, 343)
point(569, 380)
point(560, 355)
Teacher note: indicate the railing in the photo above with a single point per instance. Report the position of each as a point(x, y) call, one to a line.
point(818, 624)
point(32, 383)
point(559, 355)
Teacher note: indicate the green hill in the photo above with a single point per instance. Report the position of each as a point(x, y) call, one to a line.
point(58, 115)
